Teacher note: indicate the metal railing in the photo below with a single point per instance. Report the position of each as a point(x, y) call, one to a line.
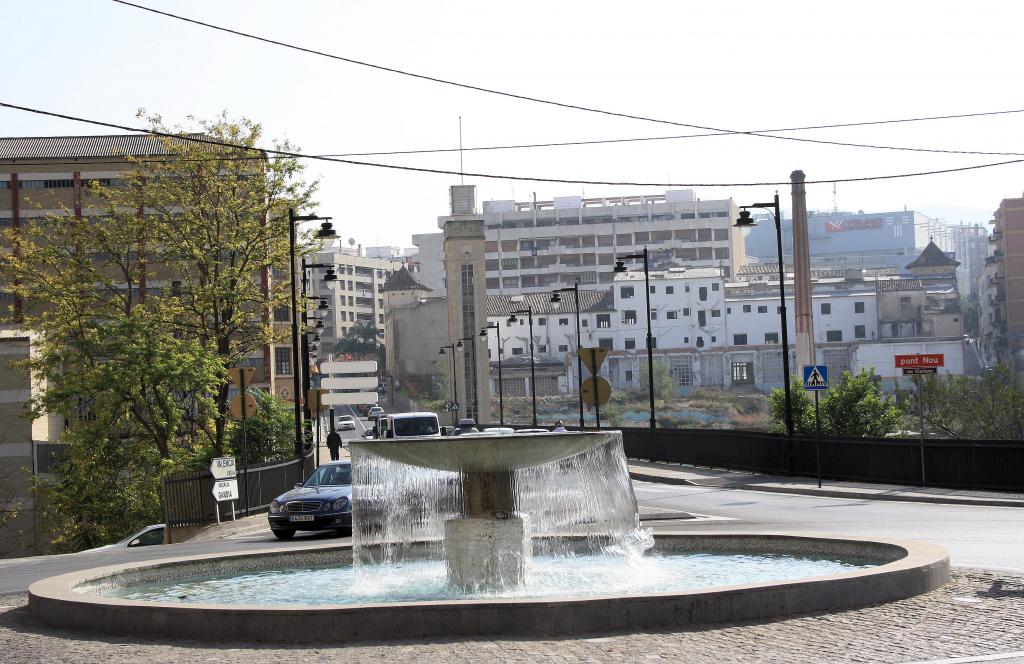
point(188, 497)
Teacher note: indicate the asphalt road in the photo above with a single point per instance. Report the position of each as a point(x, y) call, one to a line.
point(984, 537)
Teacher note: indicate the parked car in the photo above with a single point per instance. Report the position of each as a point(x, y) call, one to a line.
point(148, 536)
point(346, 422)
point(322, 502)
point(375, 413)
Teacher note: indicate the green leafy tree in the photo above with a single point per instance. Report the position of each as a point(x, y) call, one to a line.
point(360, 339)
point(269, 432)
point(989, 407)
point(664, 384)
point(852, 407)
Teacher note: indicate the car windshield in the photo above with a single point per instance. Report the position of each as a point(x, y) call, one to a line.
point(415, 426)
point(346, 418)
point(330, 476)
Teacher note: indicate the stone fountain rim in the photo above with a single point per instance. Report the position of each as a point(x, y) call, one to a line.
point(922, 568)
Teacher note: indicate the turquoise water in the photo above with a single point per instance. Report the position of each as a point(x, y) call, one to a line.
point(550, 576)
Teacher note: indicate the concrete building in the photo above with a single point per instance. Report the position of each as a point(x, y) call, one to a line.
point(970, 248)
point(860, 240)
point(415, 326)
point(536, 246)
point(427, 264)
point(1002, 323)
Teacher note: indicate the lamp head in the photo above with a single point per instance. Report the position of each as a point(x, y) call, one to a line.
point(512, 319)
point(331, 275)
point(323, 306)
point(459, 345)
point(483, 333)
point(319, 325)
point(620, 266)
point(556, 298)
point(326, 231)
point(441, 351)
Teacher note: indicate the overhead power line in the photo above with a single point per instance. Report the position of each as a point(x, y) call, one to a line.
point(493, 176)
point(715, 131)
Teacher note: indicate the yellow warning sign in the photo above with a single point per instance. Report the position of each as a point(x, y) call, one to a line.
point(596, 390)
point(237, 404)
point(593, 358)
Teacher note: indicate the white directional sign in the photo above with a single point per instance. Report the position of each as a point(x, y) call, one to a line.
point(349, 383)
point(224, 490)
point(354, 367)
point(348, 398)
point(222, 468)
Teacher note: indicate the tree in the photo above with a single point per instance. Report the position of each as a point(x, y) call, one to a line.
point(664, 384)
point(852, 407)
point(989, 407)
point(361, 338)
point(269, 432)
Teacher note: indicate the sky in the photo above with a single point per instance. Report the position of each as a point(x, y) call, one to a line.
point(732, 65)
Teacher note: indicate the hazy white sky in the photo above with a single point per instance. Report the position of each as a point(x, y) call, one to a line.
point(735, 65)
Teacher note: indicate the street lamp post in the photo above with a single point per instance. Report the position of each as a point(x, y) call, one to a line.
point(325, 230)
point(455, 379)
point(556, 297)
point(745, 223)
point(620, 266)
point(501, 396)
point(533, 372)
point(472, 358)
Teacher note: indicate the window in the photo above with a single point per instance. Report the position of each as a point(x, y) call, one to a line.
point(858, 307)
point(653, 291)
point(686, 311)
point(826, 308)
point(517, 351)
point(702, 318)
point(686, 340)
point(672, 315)
point(541, 348)
point(584, 323)
point(604, 320)
point(905, 303)
point(700, 342)
point(771, 337)
point(283, 360)
point(654, 315)
point(686, 289)
point(626, 292)
point(670, 290)
point(629, 344)
point(605, 342)
point(715, 287)
point(654, 342)
point(563, 322)
point(834, 335)
point(702, 293)
point(716, 313)
point(629, 376)
point(714, 339)
point(739, 340)
point(562, 348)
point(281, 314)
point(629, 317)
point(742, 373)
point(746, 308)
point(542, 321)
point(762, 310)
point(858, 332)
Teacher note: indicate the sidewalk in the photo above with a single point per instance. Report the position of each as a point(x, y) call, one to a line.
point(666, 473)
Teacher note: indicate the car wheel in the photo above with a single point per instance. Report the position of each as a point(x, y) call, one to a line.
point(283, 534)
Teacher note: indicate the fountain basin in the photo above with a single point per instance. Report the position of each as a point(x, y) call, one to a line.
point(904, 569)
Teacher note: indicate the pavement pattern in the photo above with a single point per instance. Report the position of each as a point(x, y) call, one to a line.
point(979, 613)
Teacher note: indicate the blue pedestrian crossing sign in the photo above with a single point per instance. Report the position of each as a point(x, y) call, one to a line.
point(815, 377)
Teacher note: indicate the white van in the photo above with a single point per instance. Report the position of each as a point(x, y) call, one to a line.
point(407, 425)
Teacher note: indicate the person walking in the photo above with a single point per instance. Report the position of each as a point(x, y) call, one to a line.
point(334, 443)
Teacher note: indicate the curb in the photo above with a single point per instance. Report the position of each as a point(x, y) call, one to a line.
point(832, 493)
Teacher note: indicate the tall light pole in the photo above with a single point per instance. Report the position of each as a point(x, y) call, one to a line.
point(533, 373)
point(293, 219)
point(472, 358)
point(455, 379)
point(620, 266)
point(745, 223)
point(556, 297)
point(501, 394)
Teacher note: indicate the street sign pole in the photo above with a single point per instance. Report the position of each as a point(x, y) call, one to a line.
point(245, 442)
point(920, 409)
point(817, 433)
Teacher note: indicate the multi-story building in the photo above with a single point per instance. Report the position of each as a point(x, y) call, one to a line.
point(970, 248)
point(1002, 321)
point(535, 246)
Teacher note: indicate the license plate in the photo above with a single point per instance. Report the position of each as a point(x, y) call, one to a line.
point(301, 517)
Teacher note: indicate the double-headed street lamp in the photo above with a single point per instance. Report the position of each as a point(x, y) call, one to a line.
point(745, 223)
point(455, 379)
point(556, 298)
point(325, 232)
point(501, 396)
point(533, 372)
point(620, 266)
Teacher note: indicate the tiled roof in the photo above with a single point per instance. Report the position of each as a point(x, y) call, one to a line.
point(75, 147)
point(893, 285)
point(402, 279)
point(932, 256)
point(540, 303)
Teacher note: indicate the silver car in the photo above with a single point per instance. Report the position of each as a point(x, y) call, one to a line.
point(346, 423)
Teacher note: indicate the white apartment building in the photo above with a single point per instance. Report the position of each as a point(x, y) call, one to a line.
point(536, 246)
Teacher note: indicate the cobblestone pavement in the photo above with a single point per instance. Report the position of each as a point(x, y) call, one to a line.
point(980, 612)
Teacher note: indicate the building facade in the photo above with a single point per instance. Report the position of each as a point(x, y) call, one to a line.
point(1002, 284)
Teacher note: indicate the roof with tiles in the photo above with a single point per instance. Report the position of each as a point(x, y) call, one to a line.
point(402, 279)
point(540, 303)
point(932, 256)
point(83, 147)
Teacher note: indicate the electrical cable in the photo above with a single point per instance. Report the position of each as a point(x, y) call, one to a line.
point(493, 176)
point(715, 130)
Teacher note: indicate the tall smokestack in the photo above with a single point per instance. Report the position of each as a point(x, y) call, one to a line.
point(804, 315)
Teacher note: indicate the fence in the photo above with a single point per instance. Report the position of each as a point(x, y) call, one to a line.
point(961, 464)
point(188, 497)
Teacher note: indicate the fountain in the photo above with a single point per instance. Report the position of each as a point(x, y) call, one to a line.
point(484, 535)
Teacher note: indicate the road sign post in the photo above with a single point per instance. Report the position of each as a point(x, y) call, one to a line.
point(917, 365)
point(594, 357)
point(246, 404)
point(225, 486)
point(816, 380)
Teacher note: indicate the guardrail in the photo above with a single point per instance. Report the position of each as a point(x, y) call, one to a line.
point(188, 497)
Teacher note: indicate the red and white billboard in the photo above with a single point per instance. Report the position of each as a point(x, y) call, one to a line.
point(920, 361)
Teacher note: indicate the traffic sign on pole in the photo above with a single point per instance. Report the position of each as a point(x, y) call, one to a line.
point(241, 376)
point(222, 468)
point(224, 490)
point(243, 406)
point(593, 358)
point(815, 377)
point(596, 390)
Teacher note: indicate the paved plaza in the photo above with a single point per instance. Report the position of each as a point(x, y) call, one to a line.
point(978, 613)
